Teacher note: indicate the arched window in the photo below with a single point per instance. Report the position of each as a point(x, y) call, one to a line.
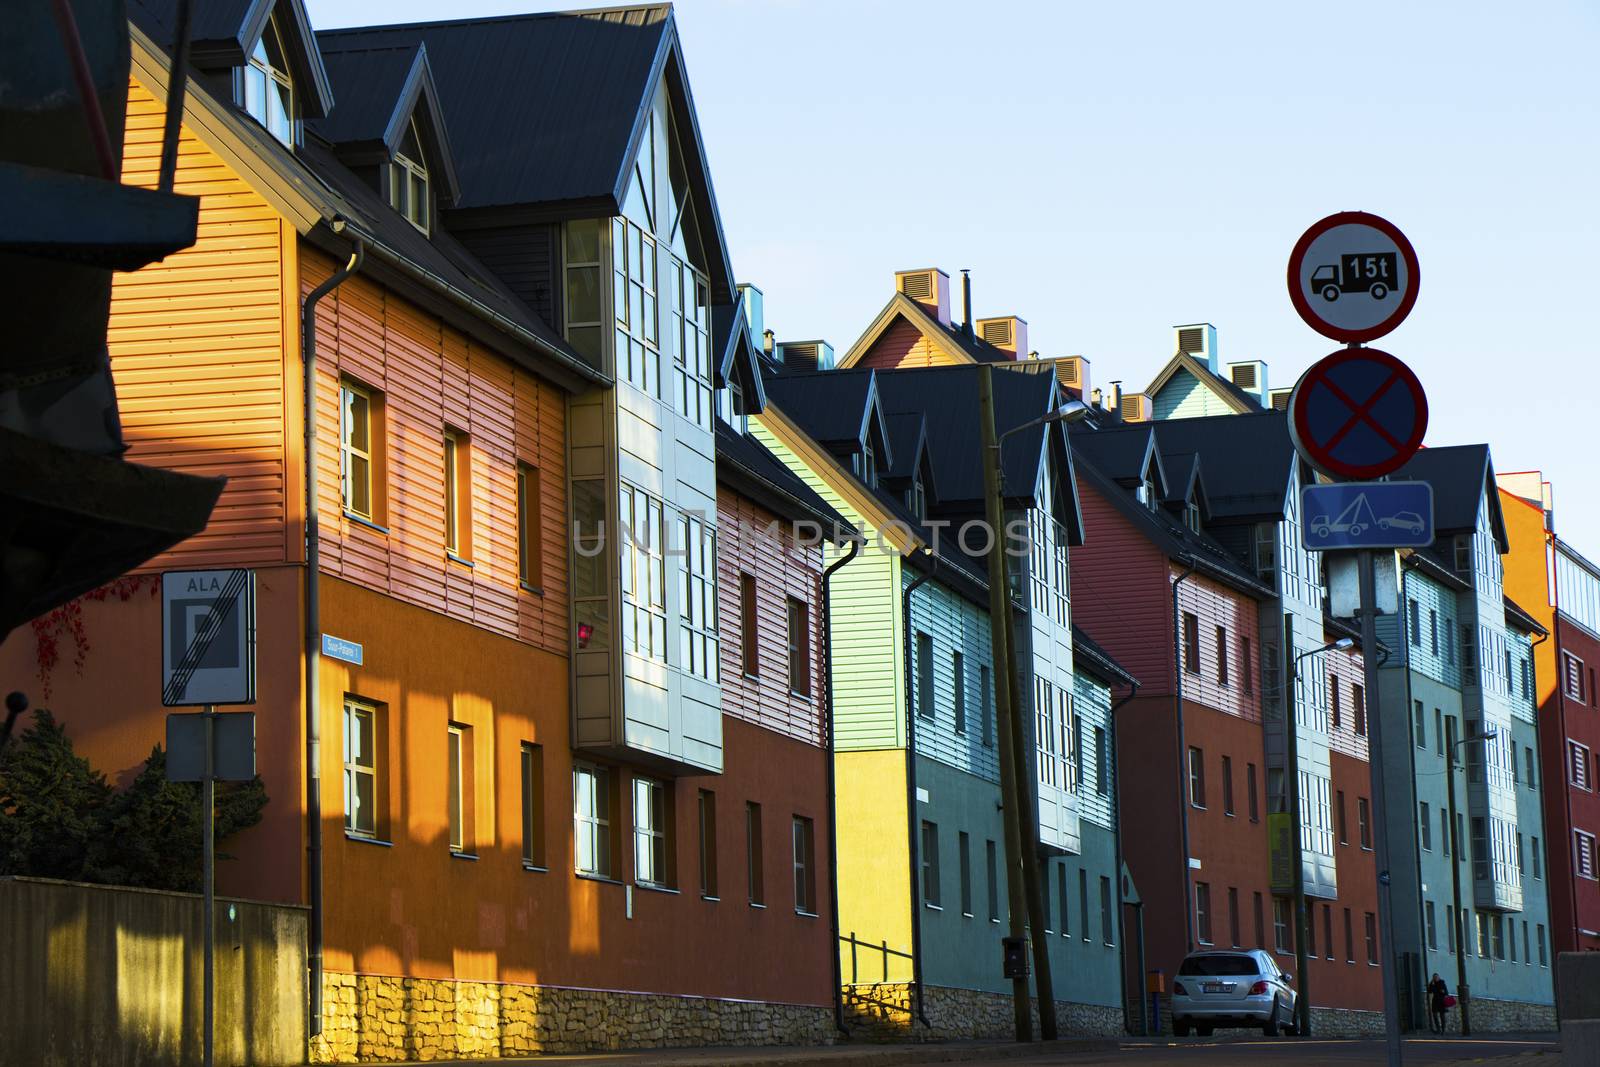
point(408, 180)
point(268, 92)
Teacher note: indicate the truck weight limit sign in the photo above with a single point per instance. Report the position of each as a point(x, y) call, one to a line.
point(1353, 276)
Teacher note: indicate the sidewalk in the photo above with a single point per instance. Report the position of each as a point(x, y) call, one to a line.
point(843, 1055)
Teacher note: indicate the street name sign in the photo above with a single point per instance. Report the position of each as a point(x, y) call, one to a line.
point(1358, 413)
point(1345, 515)
point(1353, 276)
point(208, 637)
point(342, 649)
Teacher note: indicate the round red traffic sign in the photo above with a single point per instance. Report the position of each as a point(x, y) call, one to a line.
point(1353, 276)
point(1358, 413)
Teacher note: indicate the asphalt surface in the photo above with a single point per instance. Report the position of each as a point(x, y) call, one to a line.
point(1535, 1051)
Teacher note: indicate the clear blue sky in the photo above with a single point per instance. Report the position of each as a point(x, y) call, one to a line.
point(1110, 170)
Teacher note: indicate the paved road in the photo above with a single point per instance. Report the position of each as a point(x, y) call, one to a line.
point(1293, 1052)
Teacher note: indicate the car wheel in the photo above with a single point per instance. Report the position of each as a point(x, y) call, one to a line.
point(1180, 1027)
point(1330, 293)
point(1379, 291)
point(1270, 1027)
point(1204, 1031)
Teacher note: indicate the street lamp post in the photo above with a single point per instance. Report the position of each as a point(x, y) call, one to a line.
point(1302, 1000)
point(1456, 857)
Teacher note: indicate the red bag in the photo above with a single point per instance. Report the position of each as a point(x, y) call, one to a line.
point(1449, 1001)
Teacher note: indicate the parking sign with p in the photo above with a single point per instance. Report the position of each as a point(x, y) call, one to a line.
point(208, 631)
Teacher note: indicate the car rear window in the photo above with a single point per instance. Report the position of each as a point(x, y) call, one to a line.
point(1218, 965)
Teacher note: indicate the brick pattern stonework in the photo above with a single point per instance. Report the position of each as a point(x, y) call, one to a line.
point(376, 1017)
point(1507, 1016)
point(883, 1012)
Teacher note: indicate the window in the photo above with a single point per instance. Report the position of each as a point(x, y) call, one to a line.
point(755, 879)
point(805, 866)
point(1083, 902)
point(1527, 957)
point(1463, 547)
point(1480, 848)
point(267, 91)
point(1364, 821)
point(1483, 935)
point(457, 476)
point(1414, 617)
point(1108, 930)
point(1227, 785)
point(1191, 643)
point(1311, 929)
point(1527, 753)
point(1247, 667)
point(1066, 912)
point(1102, 776)
point(964, 856)
point(1583, 853)
point(644, 593)
point(408, 180)
point(1372, 939)
point(1419, 726)
point(708, 844)
point(1425, 824)
point(532, 804)
point(1433, 631)
point(691, 341)
point(986, 704)
point(1280, 925)
point(1522, 857)
point(356, 449)
point(924, 675)
point(652, 826)
point(930, 864)
point(590, 566)
point(1438, 731)
point(1333, 699)
point(459, 789)
point(1233, 916)
point(1544, 961)
point(1538, 861)
point(1344, 831)
point(750, 646)
point(1498, 931)
point(1432, 926)
point(1044, 892)
point(1450, 641)
point(530, 562)
point(1222, 656)
point(1578, 765)
point(1446, 839)
point(1250, 787)
point(799, 647)
point(360, 769)
point(1327, 930)
point(634, 293)
point(591, 816)
point(1572, 676)
point(992, 876)
point(1527, 678)
point(1358, 708)
point(1469, 648)
point(958, 682)
point(1197, 777)
point(1451, 930)
point(585, 301)
point(698, 647)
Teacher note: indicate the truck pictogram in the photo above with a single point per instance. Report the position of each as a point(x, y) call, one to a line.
point(1374, 273)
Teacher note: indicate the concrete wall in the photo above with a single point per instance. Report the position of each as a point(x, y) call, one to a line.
point(112, 977)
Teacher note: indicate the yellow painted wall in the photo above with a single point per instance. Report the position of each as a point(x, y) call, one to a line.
point(874, 860)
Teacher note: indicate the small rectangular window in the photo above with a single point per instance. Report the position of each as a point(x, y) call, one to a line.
point(1538, 861)
point(1364, 821)
point(1372, 939)
point(1107, 926)
point(924, 675)
point(1197, 777)
point(357, 449)
point(1358, 709)
point(1433, 631)
point(930, 864)
point(1583, 852)
point(1419, 725)
point(1333, 700)
point(986, 698)
point(1432, 926)
point(457, 480)
point(1280, 925)
point(1083, 902)
point(530, 560)
point(749, 637)
point(992, 876)
point(1425, 824)
point(1191, 643)
point(799, 647)
point(360, 768)
point(591, 817)
point(1250, 786)
point(532, 804)
point(652, 833)
point(1222, 656)
point(1414, 617)
point(1227, 785)
point(1544, 961)
point(1202, 912)
point(964, 847)
point(805, 867)
point(459, 796)
point(958, 681)
point(1064, 904)
point(708, 844)
point(754, 878)
point(1339, 812)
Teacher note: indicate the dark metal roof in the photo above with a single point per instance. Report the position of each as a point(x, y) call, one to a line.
point(907, 439)
point(747, 465)
point(1249, 460)
point(1088, 654)
point(1461, 476)
point(831, 406)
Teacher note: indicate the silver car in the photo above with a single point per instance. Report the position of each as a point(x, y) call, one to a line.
point(1242, 988)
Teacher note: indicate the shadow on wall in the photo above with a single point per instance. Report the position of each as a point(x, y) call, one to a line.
point(113, 977)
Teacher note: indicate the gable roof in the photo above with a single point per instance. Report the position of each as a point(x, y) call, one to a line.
point(1230, 394)
point(1249, 460)
point(752, 470)
point(222, 33)
point(1461, 476)
point(1123, 452)
point(834, 407)
point(576, 88)
point(954, 341)
point(381, 88)
point(737, 358)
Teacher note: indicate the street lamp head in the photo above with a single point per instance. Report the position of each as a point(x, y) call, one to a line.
point(1071, 411)
point(1344, 644)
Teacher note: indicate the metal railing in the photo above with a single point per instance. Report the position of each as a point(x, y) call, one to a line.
point(882, 948)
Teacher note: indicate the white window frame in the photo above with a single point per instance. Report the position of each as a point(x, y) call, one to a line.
point(592, 823)
point(358, 765)
point(652, 860)
point(349, 451)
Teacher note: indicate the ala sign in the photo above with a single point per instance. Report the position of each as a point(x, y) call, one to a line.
point(208, 637)
point(1353, 276)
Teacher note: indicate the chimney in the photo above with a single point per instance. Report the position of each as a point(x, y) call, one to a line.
point(966, 301)
point(1278, 399)
point(1134, 407)
point(1097, 399)
point(1251, 376)
point(768, 338)
point(1116, 396)
point(805, 355)
point(928, 286)
point(755, 314)
point(1200, 341)
point(1008, 332)
point(1073, 373)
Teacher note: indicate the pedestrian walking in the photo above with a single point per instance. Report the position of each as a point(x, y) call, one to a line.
point(1438, 995)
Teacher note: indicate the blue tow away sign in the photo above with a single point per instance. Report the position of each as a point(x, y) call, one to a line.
point(1347, 515)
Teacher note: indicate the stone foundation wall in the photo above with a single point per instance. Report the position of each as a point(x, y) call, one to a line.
point(1490, 1016)
point(378, 1017)
point(1505, 1016)
point(883, 1012)
point(1345, 1022)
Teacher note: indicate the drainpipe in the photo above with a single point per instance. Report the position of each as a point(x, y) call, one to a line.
point(911, 794)
point(833, 803)
point(313, 637)
point(1116, 838)
point(1183, 755)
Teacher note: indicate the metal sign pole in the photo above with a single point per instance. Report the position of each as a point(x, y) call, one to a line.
point(1380, 834)
point(208, 815)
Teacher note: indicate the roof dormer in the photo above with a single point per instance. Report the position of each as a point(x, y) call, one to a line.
point(278, 77)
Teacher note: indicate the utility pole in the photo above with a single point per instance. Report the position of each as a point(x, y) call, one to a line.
point(1380, 832)
point(1463, 999)
point(208, 862)
point(1297, 883)
point(999, 607)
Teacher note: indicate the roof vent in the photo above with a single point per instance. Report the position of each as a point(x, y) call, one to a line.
point(805, 355)
point(1251, 376)
point(1280, 399)
point(1200, 341)
point(1134, 407)
point(1008, 332)
point(929, 287)
point(1073, 373)
point(1243, 375)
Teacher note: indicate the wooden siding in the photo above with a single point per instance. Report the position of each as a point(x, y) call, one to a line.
point(196, 347)
point(524, 258)
point(1121, 594)
point(1186, 397)
point(1443, 666)
point(781, 569)
point(431, 377)
point(1214, 605)
point(1347, 670)
point(954, 624)
point(904, 345)
point(1092, 702)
